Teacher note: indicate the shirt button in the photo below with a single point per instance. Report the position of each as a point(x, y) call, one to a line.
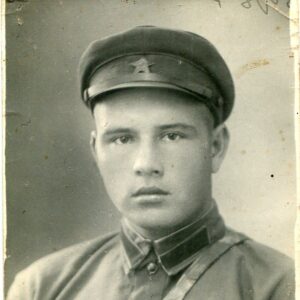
point(152, 268)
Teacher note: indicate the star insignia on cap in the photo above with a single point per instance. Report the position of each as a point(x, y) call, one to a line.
point(142, 66)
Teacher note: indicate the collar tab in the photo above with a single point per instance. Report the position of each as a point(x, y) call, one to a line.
point(177, 250)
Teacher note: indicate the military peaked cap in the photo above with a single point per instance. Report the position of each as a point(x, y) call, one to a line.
point(148, 56)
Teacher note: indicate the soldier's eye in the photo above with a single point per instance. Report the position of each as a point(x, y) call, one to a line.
point(172, 136)
point(125, 139)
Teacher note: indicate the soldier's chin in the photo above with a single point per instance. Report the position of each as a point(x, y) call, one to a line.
point(158, 222)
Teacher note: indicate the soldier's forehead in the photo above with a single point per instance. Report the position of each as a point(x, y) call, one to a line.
point(166, 106)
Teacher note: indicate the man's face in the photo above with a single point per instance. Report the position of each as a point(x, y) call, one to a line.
point(154, 151)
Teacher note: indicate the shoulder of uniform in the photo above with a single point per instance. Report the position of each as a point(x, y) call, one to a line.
point(63, 264)
point(261, 255)
point(79, 250)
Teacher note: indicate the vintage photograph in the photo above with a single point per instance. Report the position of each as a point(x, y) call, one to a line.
point(150, 150)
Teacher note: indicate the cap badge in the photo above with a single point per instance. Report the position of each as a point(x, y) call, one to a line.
point(142, 66)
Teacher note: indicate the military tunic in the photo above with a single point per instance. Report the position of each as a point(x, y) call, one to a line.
point(204, 260)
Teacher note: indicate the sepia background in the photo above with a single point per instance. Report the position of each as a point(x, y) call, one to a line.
point(55, 196)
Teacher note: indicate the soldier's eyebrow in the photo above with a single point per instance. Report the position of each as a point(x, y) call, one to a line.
point(179, 126)
point(117, 130)
point(172, 126)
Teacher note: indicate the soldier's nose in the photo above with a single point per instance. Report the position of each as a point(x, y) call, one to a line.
point(147, 162)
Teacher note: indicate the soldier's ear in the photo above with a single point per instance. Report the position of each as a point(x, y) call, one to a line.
point(220, 141)
point(93, 145)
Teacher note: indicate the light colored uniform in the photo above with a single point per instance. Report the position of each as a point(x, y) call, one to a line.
point(202, 261)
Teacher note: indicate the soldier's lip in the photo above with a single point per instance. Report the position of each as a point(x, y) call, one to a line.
point(148, 191)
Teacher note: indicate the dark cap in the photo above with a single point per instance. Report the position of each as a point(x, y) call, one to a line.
point(149, 56)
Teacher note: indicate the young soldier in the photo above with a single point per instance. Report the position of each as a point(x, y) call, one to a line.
point(159, 98)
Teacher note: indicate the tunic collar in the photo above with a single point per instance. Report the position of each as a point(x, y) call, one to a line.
point(177, 250)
